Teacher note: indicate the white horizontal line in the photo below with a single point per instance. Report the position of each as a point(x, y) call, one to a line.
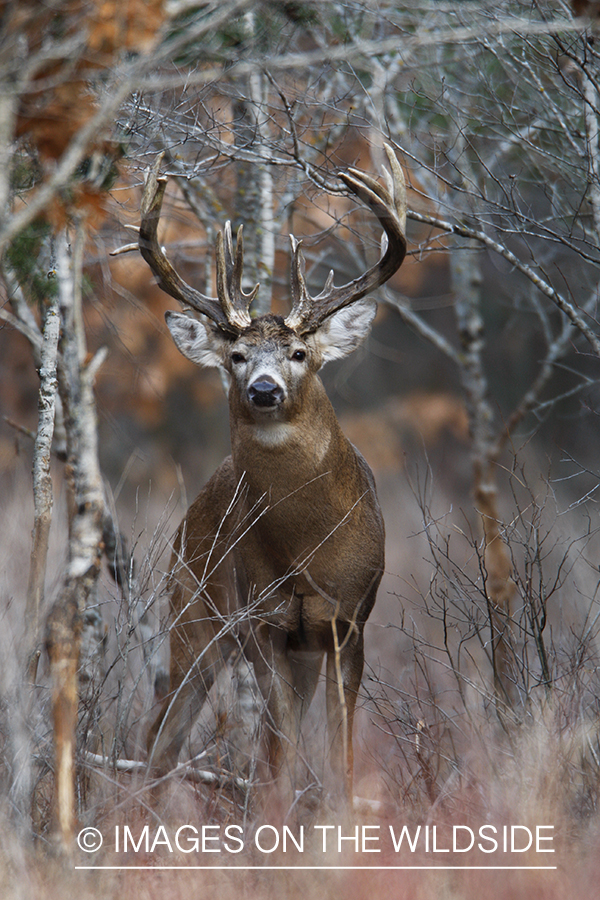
point(323, 868)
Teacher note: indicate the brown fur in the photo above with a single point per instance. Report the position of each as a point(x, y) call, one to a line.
point(284, 545)
point(283, 551)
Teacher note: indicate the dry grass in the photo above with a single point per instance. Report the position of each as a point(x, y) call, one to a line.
point(431, 750)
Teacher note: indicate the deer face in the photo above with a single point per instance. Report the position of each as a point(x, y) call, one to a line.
point(269, 365)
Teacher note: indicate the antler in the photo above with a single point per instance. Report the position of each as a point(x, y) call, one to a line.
point(230, 310)
point(389, 205)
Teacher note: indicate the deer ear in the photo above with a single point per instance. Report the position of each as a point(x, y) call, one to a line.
point(198, 341)
point(342, 332)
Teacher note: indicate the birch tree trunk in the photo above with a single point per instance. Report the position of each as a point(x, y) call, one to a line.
point(254, 190)
point(42, 481)
point(498, 586)
point(74, 619)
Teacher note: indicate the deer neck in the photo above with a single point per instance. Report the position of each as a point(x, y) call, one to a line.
point(302, 484)
point(306, 445)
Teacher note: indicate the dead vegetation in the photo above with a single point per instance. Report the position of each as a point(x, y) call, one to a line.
point(479, 705)
point(432, 749)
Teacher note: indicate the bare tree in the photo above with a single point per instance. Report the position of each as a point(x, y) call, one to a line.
point(488, 149)
point(494, 110)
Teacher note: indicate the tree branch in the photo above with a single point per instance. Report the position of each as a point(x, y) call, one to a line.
point(546, 289)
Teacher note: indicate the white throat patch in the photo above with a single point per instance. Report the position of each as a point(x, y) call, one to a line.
point(276, 434)
point(273, 434)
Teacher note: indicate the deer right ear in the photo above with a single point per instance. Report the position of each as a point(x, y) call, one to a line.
point(199, 342)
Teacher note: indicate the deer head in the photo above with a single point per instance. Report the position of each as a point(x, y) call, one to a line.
point(268, 358)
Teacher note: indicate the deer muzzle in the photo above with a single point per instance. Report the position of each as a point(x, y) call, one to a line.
point(265, 393)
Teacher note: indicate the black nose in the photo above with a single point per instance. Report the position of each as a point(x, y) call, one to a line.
point(265, 393)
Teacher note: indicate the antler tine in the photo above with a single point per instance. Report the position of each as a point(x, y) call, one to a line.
point(389, 205)
point(226, 316)
point(301, 300)
point(233, 299)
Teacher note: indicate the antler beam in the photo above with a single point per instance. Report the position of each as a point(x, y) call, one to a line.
point(389, 205)
point(230, 310)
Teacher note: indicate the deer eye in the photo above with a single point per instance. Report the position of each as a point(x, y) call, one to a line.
point(237, 358)
point(299, 355)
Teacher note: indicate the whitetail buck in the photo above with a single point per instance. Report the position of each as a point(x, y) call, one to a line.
point(283, 549)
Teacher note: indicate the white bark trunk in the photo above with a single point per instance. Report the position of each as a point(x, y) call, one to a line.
point(74, 622)
point(42, 482)
point(499, 587)
point(254, 195)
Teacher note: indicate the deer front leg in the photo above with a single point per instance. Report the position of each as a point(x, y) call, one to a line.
point(344, 672)
point(194, 667)
point(175, 720)
point(277, 681)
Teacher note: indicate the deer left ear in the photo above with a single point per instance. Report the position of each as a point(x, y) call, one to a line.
point(345, 330)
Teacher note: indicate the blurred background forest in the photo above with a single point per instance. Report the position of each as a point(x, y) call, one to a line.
point(475, 400)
